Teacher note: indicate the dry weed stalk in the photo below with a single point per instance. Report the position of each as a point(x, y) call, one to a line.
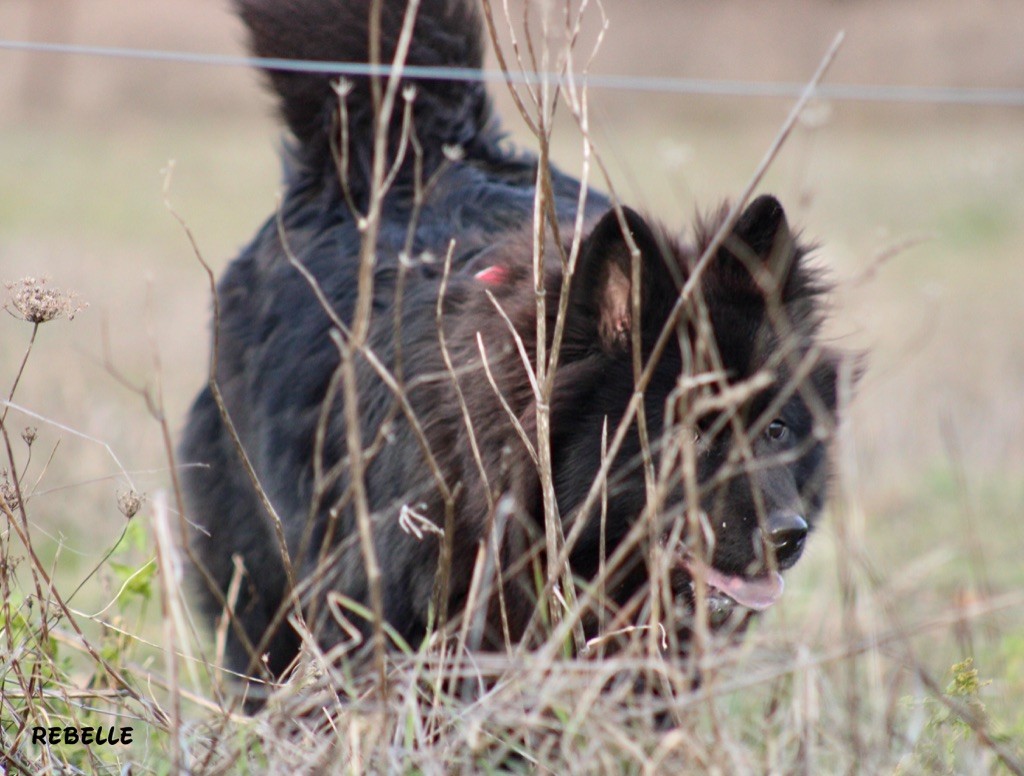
point(37, 686)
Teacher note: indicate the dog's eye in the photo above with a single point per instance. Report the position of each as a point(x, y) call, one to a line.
point(776, 430)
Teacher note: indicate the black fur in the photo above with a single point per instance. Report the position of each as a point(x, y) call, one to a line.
point(757, 297)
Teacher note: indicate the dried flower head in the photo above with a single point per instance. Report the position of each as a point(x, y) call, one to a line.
point(34, 301)
point(129, 502)
point(343, 88)
point(453, 153)
point(8, 493)
point(29, 435)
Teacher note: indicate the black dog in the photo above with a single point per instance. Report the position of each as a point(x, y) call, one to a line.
point(738, 395)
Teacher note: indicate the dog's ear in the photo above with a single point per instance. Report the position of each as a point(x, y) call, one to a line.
point(761, 257)
point(832, 368)
point(824, 378)
point(602, 284)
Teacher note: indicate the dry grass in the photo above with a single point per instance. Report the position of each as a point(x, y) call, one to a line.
point(865, 666)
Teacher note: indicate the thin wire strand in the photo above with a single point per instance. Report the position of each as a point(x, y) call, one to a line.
point(942, 95)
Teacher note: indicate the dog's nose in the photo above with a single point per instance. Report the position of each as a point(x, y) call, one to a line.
point(787, 531)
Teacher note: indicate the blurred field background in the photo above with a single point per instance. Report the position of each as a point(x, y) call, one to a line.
point(919, 209)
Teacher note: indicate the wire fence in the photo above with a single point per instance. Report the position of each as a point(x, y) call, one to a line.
point(884, 93)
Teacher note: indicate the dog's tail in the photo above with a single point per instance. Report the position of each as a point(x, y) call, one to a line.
point(446, 33)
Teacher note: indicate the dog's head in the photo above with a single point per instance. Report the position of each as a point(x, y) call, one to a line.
point(739, 399)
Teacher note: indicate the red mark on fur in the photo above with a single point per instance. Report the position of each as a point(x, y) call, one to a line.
point(492, 276)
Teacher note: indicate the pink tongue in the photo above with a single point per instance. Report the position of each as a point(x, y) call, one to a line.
point(758, 593)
